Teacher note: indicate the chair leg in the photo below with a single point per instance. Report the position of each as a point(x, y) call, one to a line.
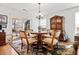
point(21, 45)
point(51, 48)
point(27, 48)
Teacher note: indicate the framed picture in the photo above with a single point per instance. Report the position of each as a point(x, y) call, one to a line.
point(3, 19)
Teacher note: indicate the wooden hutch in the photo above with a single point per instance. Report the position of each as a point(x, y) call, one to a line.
point(57, 22)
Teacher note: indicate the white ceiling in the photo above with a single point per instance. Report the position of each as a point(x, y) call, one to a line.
point(32, 8)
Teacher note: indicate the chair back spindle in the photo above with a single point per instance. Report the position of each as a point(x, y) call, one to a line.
point(23, 35)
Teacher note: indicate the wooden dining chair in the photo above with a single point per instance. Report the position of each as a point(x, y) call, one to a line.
point(50, 41)
point(26, 40)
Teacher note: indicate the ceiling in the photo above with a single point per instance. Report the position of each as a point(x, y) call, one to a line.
point(31, 9)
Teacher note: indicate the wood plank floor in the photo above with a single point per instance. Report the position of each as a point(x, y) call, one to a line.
point(7, 50)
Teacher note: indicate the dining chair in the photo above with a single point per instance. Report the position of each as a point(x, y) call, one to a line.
point(50, 41)
point(26, 40)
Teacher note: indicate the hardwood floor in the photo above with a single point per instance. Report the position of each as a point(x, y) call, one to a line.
point(7, 50)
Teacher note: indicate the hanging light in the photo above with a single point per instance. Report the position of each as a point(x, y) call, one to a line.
point(40, 15)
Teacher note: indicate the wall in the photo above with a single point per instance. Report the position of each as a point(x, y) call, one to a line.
point(8, 30)
point(10, 13)
point(69, 15)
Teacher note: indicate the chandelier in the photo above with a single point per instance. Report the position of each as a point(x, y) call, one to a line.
point(39, 17)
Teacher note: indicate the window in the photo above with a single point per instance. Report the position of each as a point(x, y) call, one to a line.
point(43, 23)
point(77, 22)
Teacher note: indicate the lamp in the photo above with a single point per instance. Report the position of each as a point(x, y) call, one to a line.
point(39, 16)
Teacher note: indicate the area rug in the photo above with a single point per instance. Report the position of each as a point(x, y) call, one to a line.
point(16, 44)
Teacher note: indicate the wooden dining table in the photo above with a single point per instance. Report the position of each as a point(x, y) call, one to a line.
point(39, 35)
point(39, 44)
point(39, 39)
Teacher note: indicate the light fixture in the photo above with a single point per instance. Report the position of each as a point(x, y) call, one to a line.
point(39, 17)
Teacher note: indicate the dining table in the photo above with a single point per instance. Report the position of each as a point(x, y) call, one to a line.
point(39, 39)
point(39, 35)
point(40, 45)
